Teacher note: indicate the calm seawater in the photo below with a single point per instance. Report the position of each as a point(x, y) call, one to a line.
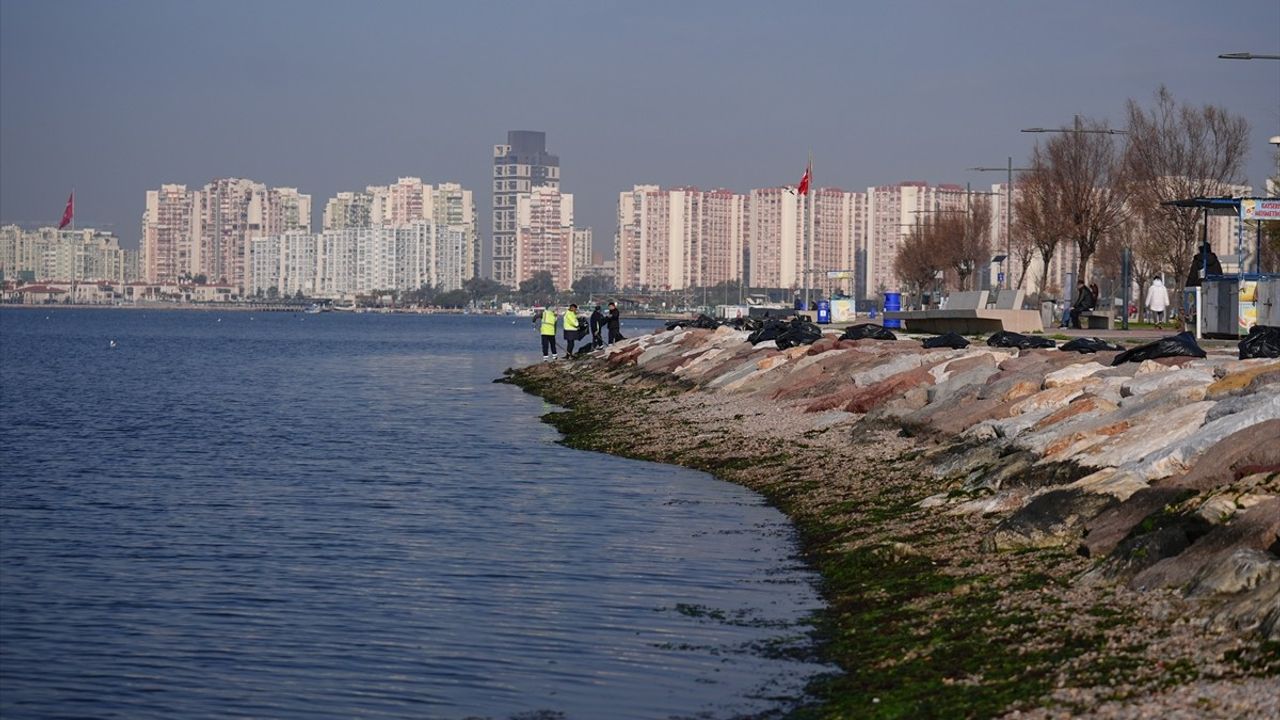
point(301, 516)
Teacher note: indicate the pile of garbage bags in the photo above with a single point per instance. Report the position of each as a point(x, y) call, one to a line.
point(1087, 345)
point(949, 340)
point(1263, 341)
point(867, 330)
point(1181, 345)
point(798, 332)
point(1006, 339)
point(703, 321)
point(786, 333)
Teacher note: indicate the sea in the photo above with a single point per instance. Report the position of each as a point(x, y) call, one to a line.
point(230, 514)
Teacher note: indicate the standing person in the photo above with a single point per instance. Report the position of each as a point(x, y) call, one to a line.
point(1157, 301)
point(571, 329)
point(597, 327)
point(548, 330)
point(614, 323)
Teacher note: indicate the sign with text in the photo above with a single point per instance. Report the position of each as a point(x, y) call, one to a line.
point(839, 274)
point(1260, 209)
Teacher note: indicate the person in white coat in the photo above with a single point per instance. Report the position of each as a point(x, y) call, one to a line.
point(1157, 301)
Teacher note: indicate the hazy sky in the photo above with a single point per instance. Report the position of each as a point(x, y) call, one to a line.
point(115, 98)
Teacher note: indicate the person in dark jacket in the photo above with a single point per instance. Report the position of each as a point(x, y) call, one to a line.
point(1204, 263)
point(614, 324)
point(597, 327)
point(1085, 302)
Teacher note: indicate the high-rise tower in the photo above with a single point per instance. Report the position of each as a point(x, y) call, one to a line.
point(518, 167)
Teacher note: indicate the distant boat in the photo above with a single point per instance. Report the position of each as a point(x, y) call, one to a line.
point(315, 309)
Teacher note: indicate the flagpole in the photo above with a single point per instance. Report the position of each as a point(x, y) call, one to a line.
point(808, 270)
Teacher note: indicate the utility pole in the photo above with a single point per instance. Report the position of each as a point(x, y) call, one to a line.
point(1008, 216)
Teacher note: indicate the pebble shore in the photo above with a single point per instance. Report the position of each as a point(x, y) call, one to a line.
point(1019, 533)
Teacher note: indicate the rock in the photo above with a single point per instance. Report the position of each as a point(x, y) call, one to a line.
point(1052, 519)
point(1139, 436)
point(1150, 366)
point(1176, 457)
point(1148, 382)
point(1257, 528)
point(1244, 569)
point(1112, 525)
point(1245, 380)
point(1072, 374)
point(1216, 509)
point(1048, 399)
point(872, 396)
point(1252, 611)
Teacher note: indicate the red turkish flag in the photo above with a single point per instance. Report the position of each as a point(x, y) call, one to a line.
point(803, 187)
point(69, 212)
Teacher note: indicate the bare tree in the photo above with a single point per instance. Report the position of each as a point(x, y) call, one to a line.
point(1082, 170)
point(1178, 151)
point(1037, 220)
point(1023, 251)
point(918, 261)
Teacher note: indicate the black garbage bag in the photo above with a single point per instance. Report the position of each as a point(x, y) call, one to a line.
point(768, 330)
point(867, 330)
point(703, 321)
point(1263, 341)
point(1008, 339)
point(798, 332)
point(1089, 345)
point(1181, 345)
point(950, 340)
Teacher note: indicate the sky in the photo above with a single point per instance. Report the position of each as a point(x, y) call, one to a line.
point(115, 98)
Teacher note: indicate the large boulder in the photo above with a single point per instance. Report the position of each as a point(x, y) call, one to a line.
point(1258, 528)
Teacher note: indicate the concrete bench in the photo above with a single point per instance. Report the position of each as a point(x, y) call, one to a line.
point(1098, 320)
point(967, 313)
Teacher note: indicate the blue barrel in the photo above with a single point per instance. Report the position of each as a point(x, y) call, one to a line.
point(892, 303)
point(824, 312)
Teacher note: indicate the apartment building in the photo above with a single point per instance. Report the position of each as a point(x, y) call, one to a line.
point(519, 166)
point(406, 202)
point(49, 254)
point(544, 235)
point(679, 237)
point(207, 231)
point(893, 210)
point(361, 260)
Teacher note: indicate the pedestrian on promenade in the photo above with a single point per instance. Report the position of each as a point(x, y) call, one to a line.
point(1157, 301)
point(547, 327)
point(614, 323)
point(597, 327)
point(571, 329)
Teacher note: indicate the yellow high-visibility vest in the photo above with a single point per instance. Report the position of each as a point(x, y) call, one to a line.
point(570, 320)
point(548, 322)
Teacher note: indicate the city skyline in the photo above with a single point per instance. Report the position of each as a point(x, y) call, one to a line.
point(717, 95)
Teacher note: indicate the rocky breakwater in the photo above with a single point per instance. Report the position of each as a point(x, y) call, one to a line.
point(1033, 532)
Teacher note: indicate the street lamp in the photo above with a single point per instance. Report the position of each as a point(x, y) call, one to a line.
point(1247, 56)
point(1008, 211)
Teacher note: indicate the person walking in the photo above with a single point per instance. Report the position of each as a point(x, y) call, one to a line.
point(571, 329)
point(614, 323)
point(1157, 301)
point(548, 330)
point(597, 327)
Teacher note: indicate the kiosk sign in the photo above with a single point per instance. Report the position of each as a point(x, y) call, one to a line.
point(1260, 209)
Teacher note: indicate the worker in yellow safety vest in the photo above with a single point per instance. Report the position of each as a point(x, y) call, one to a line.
point(548, 329)
point(572, 329)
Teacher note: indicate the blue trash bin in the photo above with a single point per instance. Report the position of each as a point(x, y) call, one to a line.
point(824, 312)
point(892, 303)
